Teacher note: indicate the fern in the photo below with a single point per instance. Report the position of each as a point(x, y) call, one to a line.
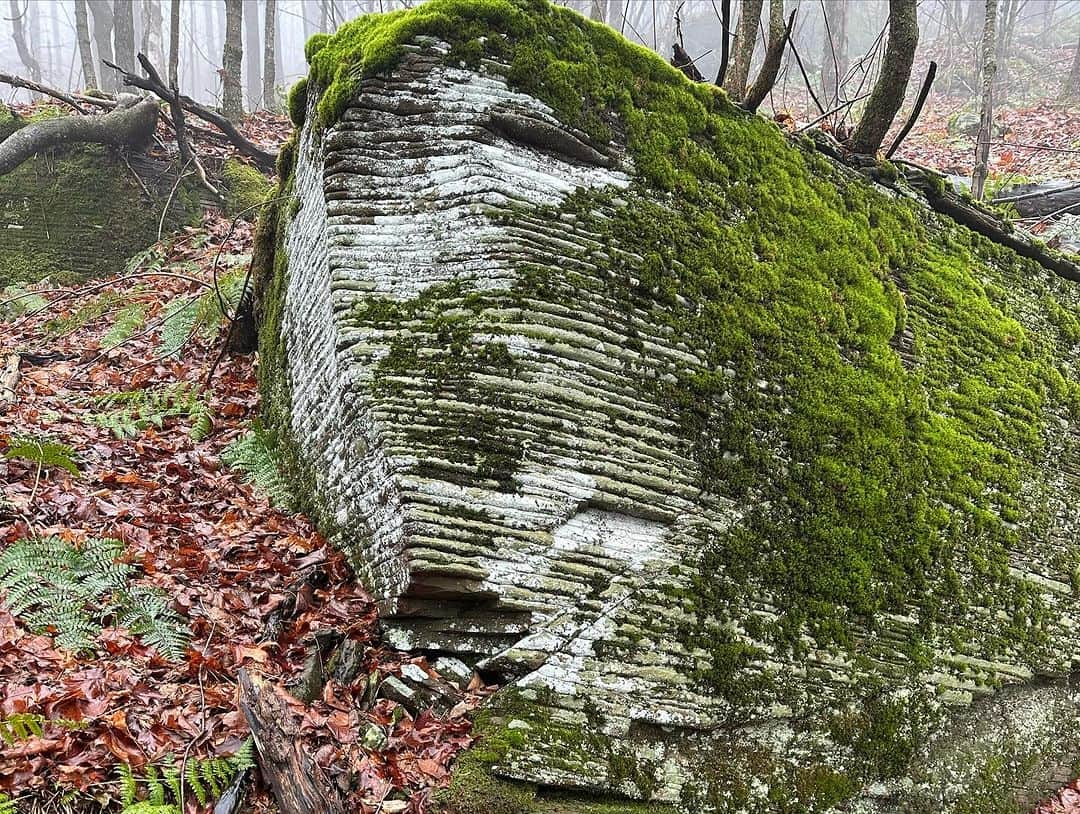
point(205, 779)
point(16, 300)
point(7, 805)
point(137, 410)
point(127, 322)
point(43, 452)
point(200, 315)
point(73, 590)
point(21, 726)
point(254, 455)
point(84, 315)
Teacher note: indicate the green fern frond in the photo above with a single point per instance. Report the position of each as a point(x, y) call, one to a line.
point(129, 413)
point(150, 259)
point(148, 807)
point(128, 787)
point(84, 315)
point(73, 590)
point(42, 451)
point(18, 300)
point(205, 779)
point(7, 805)
point(200, 315)
point(244, 757)
point(21, 726)
point(130, 319)
point(254, 456)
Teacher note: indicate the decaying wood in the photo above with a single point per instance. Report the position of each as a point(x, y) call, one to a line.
point(152, 82)
point(298, 783)
point(1036, 200)
point(9, 380)
point(991, 226)
point(127, 126)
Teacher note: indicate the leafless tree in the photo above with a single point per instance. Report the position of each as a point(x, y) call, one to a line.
point(124, 34)
point(743, 51)
point(86, 52)
point(834, 48)
point(888, 94)
point(252, 65)
point(986, 110)
point(174, 43)
point(151, 30)
point(102, 13)
point(18, 33)
point(269, 92)
point(232, 101)
point(1071, 91)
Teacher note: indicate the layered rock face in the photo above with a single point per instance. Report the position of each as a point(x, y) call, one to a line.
point(749, 479)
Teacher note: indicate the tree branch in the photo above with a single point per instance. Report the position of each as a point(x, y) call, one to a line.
point(766, 77)
point(931, 72)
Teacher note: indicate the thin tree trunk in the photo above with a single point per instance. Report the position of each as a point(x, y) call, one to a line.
point(834, 49)
point(1071, 91)
point(888, 93)
point(770, 67)
point(151, 30)
point(86, 52)
point(269, 92)
point(18, 32)
point(597, 10)
point(124, 34)
point(174, 44)
point(743, 52)
point(252, 66)
point(986, 111)
point(232, 97)
point(102, 13)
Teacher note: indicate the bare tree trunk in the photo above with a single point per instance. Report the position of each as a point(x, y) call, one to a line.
point(269, 92)
point(124, 34)
point(1071, 91)
point(324, 16)
point(834, 49)
point(151, 30)
point(253, 68)
point(743, 52)
point(86, 53)
point(174, 44)
point(766, 78)
point(232, 97)
point(986, 111)
point(888, 93)
point(18, 32)
point(103, 30)
point(597, 10)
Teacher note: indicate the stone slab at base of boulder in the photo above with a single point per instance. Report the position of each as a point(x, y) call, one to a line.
point(751, 479)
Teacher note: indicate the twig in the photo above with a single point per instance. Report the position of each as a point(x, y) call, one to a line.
point(806, 79)
point(37, 87)
point(828, 113)
point(931, 72)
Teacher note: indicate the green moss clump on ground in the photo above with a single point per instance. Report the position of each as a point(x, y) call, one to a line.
point(9, 122)
point(76, 213)
point(246, 188)
point(296, 103)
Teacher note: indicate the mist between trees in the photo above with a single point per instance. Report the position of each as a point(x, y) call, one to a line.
point(841, 43)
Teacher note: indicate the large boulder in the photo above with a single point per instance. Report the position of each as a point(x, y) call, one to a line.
point(751, 478)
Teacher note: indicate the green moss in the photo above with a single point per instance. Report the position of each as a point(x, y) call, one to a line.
point(9, 122)
point(871, 488)
point(297, 101)
point(246, 188)
point(78, 213)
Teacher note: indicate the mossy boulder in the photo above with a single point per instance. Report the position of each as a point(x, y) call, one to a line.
point(246, 189)
point(79, 212)
point(751, 477)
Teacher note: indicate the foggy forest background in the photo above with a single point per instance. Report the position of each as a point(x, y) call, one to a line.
point(1038, 54)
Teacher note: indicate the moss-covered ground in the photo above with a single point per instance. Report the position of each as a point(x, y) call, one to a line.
point(874, 487)
point(70, 214)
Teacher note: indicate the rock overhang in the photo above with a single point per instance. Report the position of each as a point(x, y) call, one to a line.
point(556, 377)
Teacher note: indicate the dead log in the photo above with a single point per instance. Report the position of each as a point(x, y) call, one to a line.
point(127, 126)
point(1037, 200)
point(990, 226)
point(298, 783)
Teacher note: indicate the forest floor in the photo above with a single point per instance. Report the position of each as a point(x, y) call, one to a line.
point(114, 435)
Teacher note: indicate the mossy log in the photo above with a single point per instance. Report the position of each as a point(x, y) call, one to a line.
point(130, 126)
point(751, 477)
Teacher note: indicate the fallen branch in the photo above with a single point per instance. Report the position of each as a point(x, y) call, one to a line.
point(931, 72)
point(298, 783)
point(127, 126)
point(990, 226)
point(153, 83)
point(37, 87)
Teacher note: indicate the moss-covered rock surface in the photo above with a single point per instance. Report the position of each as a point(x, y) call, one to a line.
point(80, 212)
point(752, 477)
